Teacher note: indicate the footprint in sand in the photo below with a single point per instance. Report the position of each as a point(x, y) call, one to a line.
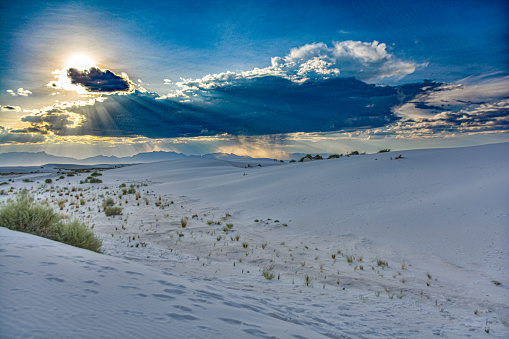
point(163, 297)
point(181, 316)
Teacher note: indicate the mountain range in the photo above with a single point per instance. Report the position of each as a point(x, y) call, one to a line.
point(42, 158)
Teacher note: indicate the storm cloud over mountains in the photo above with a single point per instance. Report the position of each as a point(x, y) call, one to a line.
point(246, 106)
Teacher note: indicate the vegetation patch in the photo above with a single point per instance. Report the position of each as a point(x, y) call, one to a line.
point(23, 215)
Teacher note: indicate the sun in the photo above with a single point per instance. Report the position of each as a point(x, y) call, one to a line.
point(81, 62)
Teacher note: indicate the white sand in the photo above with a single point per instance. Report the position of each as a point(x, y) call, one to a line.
point(438, 212)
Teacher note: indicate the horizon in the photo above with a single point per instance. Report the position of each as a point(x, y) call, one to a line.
point(257, 79)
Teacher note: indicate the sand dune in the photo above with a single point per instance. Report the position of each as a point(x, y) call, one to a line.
point(437, 218)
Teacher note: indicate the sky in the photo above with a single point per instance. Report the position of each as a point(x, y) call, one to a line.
point(257, 78)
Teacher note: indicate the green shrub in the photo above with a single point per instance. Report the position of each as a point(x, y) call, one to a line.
point(122, 185)
point(27, 180)
point(76, 233)
point(94, 181)
point(268, 274)
point(112, 210)
point(384, 150)
point(21, 214)
point(48, 181)
point(131, 190)
point(96, 174)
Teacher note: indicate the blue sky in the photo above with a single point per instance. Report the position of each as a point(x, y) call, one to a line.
point(265, 78)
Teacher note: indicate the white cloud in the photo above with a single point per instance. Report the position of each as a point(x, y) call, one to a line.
point(20, 92)
point(366, 61)
point(469, 94)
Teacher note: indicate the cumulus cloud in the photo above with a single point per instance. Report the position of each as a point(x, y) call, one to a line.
point(92, 81)
point(366, 61)
point(20, 92)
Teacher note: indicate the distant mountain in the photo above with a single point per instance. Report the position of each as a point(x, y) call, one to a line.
point(12, 159)
point(32, 159)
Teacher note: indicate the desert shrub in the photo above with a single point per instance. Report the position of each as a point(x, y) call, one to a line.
point(27, 180)
point(318, 157)
point(267, 273)
point(61, 177)
point(183, 222)
point(112, 210)
point(333, 156)
point(131, 190)
point(22, 214)
point(384, 150)
point(48, 181)
point(96, 174)
point(307, 156)
point(293, 160)
point(94, 181)
point(76, 233)
point(353, 153)
point(122, 185)
point(108, 202)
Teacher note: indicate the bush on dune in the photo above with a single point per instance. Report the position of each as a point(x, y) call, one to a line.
point(21, 214)
point(76, 233)
point(112, 210)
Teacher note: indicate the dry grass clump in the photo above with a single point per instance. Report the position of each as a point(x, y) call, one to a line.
point(268, 272)
point(23, 215)
point(112, 210)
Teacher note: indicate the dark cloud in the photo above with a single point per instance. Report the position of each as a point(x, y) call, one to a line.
point(11, 108)
point(99, 81)
point(12, 137)
point(254, 106)
point(54, 119)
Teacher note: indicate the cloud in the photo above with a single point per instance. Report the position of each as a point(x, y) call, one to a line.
point(20, 92)
point(363, 60)
point(54, 120)
point(366, 61)
point(11, 137)
point(97, 80)
point(473, 105)
point(254, 106)
point(92, 81)
point(9, 108)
